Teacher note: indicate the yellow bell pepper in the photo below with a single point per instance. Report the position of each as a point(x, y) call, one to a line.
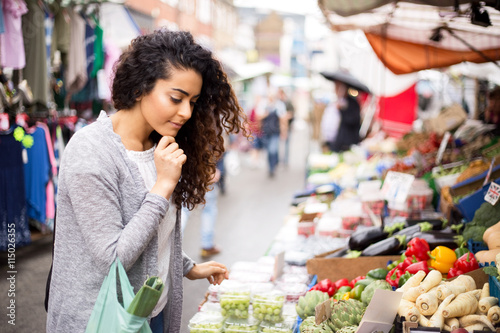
point(346, 296)
point(442, 259)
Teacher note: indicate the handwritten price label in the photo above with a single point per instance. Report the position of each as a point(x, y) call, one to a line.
point(397, 186)
point(493, 193)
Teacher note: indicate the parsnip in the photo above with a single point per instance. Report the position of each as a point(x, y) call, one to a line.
point(432, 279)
point(474, 319)
point(475, 327)
point(413, 281)
point(486, 303)
point(462, 305)
point(408, 310)
point(494, 314)
point(452, 323)
point(449, 288)
point(412, 294)
point(437, 319)
point(485, 292)
point(424, 321)
point(427, 303)
point(466, 280)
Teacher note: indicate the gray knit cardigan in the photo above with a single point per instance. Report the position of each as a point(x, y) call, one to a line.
point(103, 212)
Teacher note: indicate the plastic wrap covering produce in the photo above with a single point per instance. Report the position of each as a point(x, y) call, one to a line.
point(299, 249)
point(292, 291)
point(241, 325)
point(250, 277)
point(210, 307)
point(261, 287)
point(206, 322)
point(280, 327)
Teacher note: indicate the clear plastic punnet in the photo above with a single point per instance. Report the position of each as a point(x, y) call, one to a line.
point(239, 325)
point(250, 277)
point(292, 291)
point(268, 305)
point(278, 327)
point(206, 322)
point(234, 299)
point(260, 287)
point(210, 307)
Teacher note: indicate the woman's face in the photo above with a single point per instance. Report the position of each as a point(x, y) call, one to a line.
point(170, 104)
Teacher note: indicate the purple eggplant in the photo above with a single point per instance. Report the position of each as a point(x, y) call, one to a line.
point(364, 237)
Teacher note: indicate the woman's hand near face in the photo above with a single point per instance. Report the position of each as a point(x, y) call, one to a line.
point(213, 271)
point(169, 159)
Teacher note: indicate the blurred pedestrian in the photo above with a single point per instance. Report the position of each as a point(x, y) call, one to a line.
point(350, 119)
point(288, 123)
point(492, 112)
point(271, 113)
point(330, 122)
point(254, 127)
point(124, 178)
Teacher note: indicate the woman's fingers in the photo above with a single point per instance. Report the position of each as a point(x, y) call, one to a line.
point(164, 142)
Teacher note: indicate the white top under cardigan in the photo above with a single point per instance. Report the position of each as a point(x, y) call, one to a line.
point(146, 165)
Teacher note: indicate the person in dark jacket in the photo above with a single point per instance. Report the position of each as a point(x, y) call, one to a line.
point(350, 119)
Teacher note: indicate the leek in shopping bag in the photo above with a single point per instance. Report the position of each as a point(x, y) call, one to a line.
point(147, 297)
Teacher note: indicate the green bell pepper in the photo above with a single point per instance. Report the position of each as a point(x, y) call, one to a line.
point(356, 292)
point(364, 282)
point(403, 278)
point(377, 273)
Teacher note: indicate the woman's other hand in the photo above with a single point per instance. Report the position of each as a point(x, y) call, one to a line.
point(213, 271)
point(169, 159)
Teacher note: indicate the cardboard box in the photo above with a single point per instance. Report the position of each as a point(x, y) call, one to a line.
point(349, 268)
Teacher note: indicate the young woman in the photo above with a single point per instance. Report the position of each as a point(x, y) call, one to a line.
point(124, 178)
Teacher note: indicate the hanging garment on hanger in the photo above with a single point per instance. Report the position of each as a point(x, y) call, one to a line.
point(36, 72)
point(60, 32)
point(37, 175)
point(2, 23)
point(13, 219)
point(50, 190)
point(76, 75)
point(11, 41)
point(98, 49)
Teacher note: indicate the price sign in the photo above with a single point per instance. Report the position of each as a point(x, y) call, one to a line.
point(397, 186)
point(442, 147)
point(493, 193)
point(279, 264)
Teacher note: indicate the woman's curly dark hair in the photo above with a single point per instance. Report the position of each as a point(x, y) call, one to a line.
point(152, 57)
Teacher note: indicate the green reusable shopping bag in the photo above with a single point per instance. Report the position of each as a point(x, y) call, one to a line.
point(109, 315)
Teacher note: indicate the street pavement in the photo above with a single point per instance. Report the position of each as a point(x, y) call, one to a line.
point(251, 213)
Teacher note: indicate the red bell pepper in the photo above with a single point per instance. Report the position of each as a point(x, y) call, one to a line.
point(419, 248)
point(417, 266)
point(341, 283)
point(454, 272)
point(356, 279)
point(466, 263)
point(405, 263)
point(325, 286)
point(393, 277)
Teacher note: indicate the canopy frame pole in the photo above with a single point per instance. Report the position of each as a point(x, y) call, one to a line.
point(452, 33)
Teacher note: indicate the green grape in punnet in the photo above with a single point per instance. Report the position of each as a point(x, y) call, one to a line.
point(235, 304)
point(268, 306)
